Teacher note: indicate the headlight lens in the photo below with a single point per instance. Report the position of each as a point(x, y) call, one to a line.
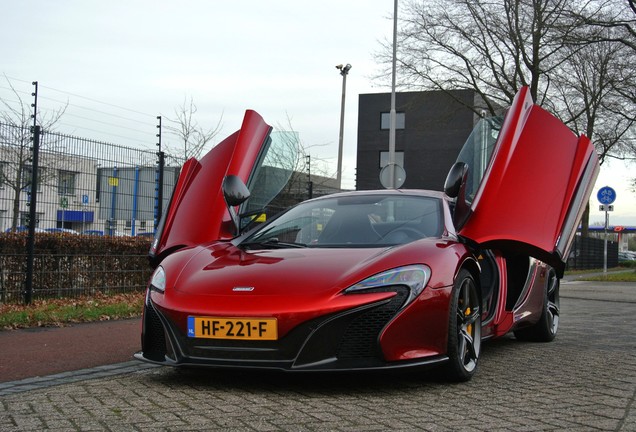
point(158, 280)
point(414, 276)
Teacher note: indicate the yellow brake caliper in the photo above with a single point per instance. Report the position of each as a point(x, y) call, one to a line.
point(469, 327)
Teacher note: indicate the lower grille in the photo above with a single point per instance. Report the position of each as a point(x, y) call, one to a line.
point(154, 339)
point(361, 338)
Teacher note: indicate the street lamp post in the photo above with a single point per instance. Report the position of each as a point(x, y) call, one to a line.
point(344, 71)
point(392, 113)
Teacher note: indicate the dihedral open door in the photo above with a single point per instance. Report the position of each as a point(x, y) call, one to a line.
point(526, 189)
point(197, 212)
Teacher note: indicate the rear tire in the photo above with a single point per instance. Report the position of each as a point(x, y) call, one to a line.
point(464, 329)
point(546, 328)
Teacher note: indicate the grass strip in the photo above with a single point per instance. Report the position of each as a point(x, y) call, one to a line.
point(61, 312)
point(628, 276)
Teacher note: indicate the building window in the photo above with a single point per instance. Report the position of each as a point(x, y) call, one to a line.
point(3, 173)
point(66, 182)
point(384, 158)
point(27, 176)
point(24, 218)
point(385, 122)
point(3, 218)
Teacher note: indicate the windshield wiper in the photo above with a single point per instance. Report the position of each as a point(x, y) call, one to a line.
point(271, 243)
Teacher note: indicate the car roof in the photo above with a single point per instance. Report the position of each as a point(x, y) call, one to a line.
point(409, 192)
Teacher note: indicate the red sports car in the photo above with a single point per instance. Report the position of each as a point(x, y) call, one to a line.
point(368, 279)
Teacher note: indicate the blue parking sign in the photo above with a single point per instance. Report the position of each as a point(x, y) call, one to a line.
point(84, 199)
point(606, 195)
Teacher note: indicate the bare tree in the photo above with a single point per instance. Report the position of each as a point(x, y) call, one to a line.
point(609, 21)
point(575, 57)
point(593, 96)
point(192, 138)
point(16, 146)
point(495, 47)
point(490, 47)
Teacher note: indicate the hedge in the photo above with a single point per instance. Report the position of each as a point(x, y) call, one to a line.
point(67, 265)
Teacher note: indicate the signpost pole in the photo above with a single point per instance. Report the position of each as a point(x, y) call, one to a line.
point(606, 196)
point(605, 240)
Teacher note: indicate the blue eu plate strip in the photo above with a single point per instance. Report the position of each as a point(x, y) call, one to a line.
point(190, 326)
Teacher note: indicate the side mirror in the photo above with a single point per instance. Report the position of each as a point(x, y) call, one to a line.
point(235, 193)
point(455, 187)
point(455, 178)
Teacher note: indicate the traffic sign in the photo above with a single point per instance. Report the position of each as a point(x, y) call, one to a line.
point(399, 175)
point(606, 195)
point(84, 199)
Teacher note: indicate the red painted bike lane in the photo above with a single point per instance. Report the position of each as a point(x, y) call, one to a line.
point(36, 352)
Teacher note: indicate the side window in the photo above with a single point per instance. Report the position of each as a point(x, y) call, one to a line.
point(272, 172)
point(477, 151)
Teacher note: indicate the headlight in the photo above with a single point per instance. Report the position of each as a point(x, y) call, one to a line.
point(158, 280)
point(414, 276)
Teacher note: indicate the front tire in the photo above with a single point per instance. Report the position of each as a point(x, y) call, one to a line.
point(464, 329)
point(546, 328)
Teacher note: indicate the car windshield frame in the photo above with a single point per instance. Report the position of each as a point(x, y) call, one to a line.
point(351, 221)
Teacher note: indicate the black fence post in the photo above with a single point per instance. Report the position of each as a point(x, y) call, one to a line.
point(159, 178)
point(310, 184)
point(28, 284)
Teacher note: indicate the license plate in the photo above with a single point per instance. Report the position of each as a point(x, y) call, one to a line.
point(233, 328)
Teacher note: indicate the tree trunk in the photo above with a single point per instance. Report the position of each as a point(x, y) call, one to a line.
point(585, 221)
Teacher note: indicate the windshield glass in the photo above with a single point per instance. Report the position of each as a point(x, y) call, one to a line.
point(352, 221)
point(477, 151)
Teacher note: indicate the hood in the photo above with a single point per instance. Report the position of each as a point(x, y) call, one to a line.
point(223, 269)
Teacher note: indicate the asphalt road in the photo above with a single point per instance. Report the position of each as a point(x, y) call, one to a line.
point(583, 381)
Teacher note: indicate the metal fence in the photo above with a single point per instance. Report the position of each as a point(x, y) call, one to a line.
point(588, 253)
point(84, 188)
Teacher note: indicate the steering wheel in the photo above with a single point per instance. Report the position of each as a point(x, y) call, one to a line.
point(403, 235)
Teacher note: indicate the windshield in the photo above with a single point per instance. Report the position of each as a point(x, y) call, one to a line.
point(352, 221)
point(477, 151)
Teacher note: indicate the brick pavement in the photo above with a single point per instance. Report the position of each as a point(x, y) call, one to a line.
point(584, 381)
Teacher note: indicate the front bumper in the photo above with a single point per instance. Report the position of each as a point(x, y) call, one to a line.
point(346, 340)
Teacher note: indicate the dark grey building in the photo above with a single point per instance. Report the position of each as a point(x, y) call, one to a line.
point(431, 128)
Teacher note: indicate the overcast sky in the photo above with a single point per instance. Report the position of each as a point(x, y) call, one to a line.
point(120, 63)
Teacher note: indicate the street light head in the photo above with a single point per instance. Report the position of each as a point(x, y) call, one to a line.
point(344, 70)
